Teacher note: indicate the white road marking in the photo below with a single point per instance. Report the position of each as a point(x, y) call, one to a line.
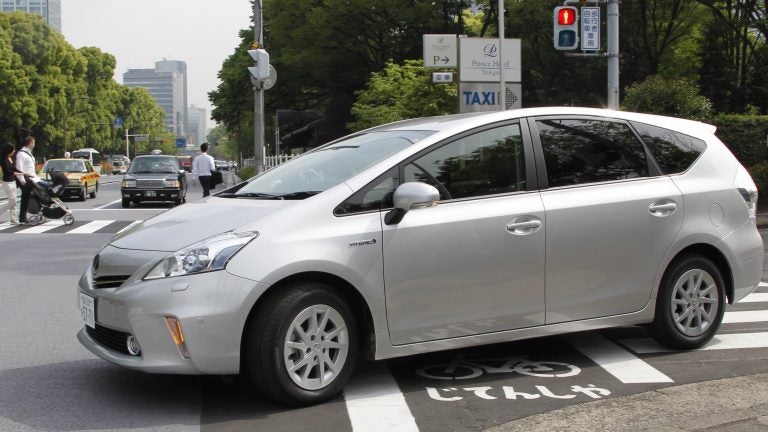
point(617, 361)
point(108, 204)
point(755, 298)
point(375, 403)
point(745, 317)
point(763, 284)
point(90, 227)
point(129, 226)
point(719, 342)
point(5, 225)
point(37, 229)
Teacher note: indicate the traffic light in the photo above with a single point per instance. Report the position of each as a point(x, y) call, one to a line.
point(566, 23)
point(261, 71)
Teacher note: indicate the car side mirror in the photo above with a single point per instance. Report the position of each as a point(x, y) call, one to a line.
point(409, 196)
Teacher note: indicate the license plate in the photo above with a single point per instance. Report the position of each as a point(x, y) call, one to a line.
point(88, 310)
point(150, 193)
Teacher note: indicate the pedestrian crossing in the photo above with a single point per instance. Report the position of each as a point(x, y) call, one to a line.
point(105, 226)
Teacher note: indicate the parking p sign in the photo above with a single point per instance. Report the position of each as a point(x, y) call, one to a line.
point(590, 29)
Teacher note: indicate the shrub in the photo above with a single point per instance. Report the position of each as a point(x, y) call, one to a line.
point(759, 174)
point(745, 135)
point(677, 97)
point(246, 173)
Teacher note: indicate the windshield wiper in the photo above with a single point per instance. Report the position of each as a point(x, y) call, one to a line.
point(298, 195)
point(259, 195)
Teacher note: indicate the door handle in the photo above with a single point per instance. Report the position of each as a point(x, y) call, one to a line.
point(663, 208)
point(524, 225)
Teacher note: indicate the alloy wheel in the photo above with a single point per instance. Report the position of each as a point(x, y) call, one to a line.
point(695, 302)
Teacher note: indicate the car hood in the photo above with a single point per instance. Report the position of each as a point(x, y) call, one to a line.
point(193, 222)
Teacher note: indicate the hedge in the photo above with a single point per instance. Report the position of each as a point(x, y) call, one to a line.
point(745, 135)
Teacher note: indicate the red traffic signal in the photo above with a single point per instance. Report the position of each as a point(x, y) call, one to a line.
point(566, 16)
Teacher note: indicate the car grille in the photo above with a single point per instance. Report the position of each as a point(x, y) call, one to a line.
point(150, 183)
point(112, 339)
point(109, 281)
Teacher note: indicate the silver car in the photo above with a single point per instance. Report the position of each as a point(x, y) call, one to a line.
point(433, 234)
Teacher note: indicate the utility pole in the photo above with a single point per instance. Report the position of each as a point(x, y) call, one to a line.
point(502, 84)
point(258, 93)
point(613, 54)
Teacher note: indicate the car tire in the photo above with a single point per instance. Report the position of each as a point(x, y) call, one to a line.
point(690, 303)
point(83, 193)
point(95, 189)
point(126, 203)
point(281, 337)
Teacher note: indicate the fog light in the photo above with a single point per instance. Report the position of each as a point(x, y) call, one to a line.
point(133, 346)
point(178, 336)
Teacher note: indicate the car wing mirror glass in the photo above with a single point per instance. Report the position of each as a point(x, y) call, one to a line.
point(410, 196)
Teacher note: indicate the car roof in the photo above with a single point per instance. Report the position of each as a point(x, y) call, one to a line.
point(463, 121)
point(66, 159)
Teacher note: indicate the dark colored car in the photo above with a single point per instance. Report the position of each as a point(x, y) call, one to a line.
point(154, 178)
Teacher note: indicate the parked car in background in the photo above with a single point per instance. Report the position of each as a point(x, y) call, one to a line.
point(483, 227)
point(185, 161)
point(221, 165)
point(154, 178)
point(83, 179)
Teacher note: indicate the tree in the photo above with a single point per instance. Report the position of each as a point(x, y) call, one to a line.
point(676, 97)
point(400, 92)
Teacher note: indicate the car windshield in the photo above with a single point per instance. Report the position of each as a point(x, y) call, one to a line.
point(64, 166)
point(154, 165)
point(327, 166)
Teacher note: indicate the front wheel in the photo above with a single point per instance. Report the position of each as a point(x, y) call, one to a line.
point(95, 189)
point(302, 345)
point(690, 303)
point(126, 203)
point(83, 193)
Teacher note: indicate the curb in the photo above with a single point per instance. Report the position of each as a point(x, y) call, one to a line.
point(732, 404)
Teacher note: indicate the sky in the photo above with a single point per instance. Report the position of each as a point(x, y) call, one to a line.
point(202, 33)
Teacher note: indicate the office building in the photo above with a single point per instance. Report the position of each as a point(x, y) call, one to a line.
point(167, 85)
point(50, 10)
point(198, 125)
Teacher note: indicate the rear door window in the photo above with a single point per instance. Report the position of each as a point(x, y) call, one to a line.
point(580, 151)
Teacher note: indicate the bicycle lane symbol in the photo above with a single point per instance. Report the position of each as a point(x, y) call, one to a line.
point(464, 367)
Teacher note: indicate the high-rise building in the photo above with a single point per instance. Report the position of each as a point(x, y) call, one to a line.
point(198, 125)
point(50, 10)
point(167, 85)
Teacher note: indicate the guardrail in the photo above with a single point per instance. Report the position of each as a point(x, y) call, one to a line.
point(270, 161)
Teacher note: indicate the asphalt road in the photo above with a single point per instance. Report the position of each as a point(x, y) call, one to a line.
point(48, 382)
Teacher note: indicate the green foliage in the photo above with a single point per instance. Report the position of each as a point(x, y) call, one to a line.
point(246, 173)
point(675, 97)
point(759, 174)
point(60, 94)
point(401, 92)
point(745, 135)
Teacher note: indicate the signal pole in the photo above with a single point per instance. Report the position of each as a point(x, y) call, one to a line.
point(613, 54)
point(258, 93)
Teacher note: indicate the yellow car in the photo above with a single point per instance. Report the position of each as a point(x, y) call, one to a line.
point(83, 179)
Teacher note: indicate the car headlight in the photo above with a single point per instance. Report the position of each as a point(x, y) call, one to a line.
point(171, 183)
point(129, 183)
point(208, 255)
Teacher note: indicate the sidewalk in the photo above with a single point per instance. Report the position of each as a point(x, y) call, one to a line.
point(726, 405)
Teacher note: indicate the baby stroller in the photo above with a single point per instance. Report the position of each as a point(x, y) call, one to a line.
point(45, 200)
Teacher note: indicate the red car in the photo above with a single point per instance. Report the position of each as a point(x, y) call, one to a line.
point(185, 162)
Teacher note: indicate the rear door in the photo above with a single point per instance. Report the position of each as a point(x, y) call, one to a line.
point(610, 216)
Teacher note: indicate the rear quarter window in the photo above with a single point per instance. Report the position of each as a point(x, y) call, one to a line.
point(675, 152)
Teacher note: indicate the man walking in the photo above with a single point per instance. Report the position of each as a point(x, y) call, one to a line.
point(25, 165)
point(202, 167)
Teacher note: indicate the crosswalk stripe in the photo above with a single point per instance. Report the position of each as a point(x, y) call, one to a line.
point(130, 226)
point(376, 404)
point(617, 361)
point(38, 229)
point(719, 342)
point(5, 225)
point(90, 227)
point(755, 298)
point(745, 317)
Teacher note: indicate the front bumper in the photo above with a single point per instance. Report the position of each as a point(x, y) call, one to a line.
point(156, 194)
point(211, 308)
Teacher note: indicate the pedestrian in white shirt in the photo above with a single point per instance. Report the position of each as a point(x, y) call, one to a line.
point(202, 167)
point(25, 165)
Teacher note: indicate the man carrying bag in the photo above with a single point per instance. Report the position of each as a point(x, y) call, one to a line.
point(202, 168)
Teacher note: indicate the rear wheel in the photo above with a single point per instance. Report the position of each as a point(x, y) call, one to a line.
point(302, 345)
point(690, 303)
point(126, 203)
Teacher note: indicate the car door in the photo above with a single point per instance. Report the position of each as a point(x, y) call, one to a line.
point(610, 217)
point(474, 263)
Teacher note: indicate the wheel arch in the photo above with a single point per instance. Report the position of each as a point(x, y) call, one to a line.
point(717, 257)
point(353, 297)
